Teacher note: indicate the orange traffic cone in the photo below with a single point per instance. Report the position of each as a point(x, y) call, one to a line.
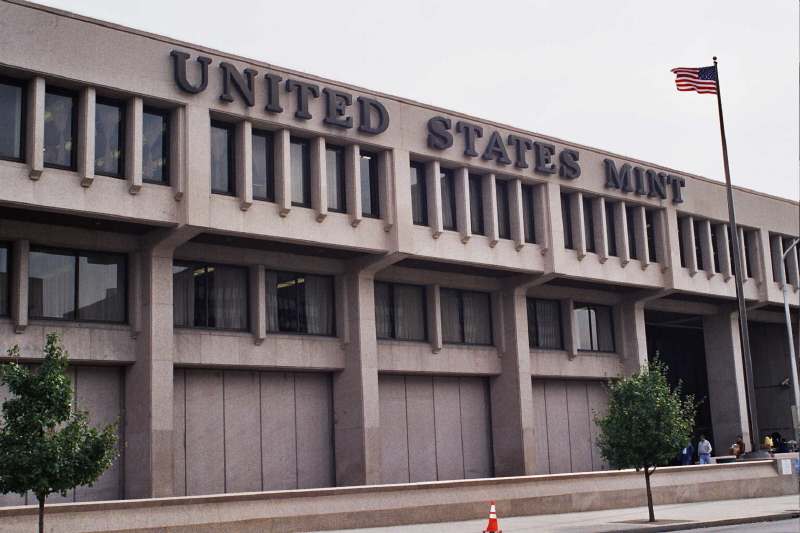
point(492, 527)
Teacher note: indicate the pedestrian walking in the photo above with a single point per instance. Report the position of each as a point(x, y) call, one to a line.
point(704, 450)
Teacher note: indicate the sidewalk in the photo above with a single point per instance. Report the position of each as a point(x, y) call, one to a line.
point(668, 518)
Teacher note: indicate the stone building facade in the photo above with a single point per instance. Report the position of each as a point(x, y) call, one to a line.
point(285, 282)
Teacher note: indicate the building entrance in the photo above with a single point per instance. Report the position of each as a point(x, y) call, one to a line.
point(678, 341)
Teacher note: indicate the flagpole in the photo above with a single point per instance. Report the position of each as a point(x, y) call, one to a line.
point(744, 335)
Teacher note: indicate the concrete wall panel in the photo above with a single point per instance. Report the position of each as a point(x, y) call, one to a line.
point(205, 433)
point(179, 430)
point(99, 390)
point(580, 446)
point(597, 405)
point(447, 413)
point(475, 430)
point(279, 452)
point(557, 410)
point(421, 429)
point(394, 429)
point(314, 431)
point(540, 427)
point(242, 431)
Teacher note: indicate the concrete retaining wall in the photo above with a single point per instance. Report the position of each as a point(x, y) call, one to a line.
point(385, 505)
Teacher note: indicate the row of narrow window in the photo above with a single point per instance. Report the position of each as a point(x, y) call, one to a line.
point(61, 144)
point(92, 286)
point(475, 199)
point(567, 218)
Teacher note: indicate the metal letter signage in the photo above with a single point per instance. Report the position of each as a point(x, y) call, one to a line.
point(373, 120)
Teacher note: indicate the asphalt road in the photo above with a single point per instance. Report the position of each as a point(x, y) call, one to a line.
point(782, 526)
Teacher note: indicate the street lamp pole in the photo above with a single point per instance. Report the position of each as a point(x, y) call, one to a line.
point(792, 360)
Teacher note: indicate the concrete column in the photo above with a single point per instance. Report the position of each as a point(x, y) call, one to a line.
point(515, 213)
point(244, 164)
point(663, 233)
point(543, 218)
point(578, 224)
point(687, 231)
point(631, 335)
point(86, 119)
point(640, 236)
point(758, 259)
point(705, 247)
point(135, 293)
point(498, 320)
point(283, 172)
point(258, 304)
point(177, 152)
point(149, 458)
point(464, 211)
point(34, 140)
point(490, 209)
point(621, 230)
point(352, 176)
point(726, 389)
point(357, 438)
point(19, 284)
point(723, 251)
point(600, 230)
point(319, 178)
point(134, 123)
point(433, 308)
point(434, 193)
point(570, 327)
point(386, 189)
point(511, 391)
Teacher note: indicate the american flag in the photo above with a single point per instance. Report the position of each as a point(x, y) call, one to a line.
point(702, 80)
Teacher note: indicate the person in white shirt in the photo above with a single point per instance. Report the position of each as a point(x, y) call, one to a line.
point(704, 451)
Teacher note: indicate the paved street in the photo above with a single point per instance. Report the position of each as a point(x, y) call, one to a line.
point(781, 526)
point(728, 513)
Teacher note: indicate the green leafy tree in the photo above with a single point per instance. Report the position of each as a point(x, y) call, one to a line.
point(646, 423)
point(46, 446)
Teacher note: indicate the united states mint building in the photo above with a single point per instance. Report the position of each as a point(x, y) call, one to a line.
point(285, 282)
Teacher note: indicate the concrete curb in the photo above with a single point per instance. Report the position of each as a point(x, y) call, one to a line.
point(711, 523)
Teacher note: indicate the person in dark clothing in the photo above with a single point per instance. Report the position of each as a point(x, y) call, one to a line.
point(686, 454)
point(739, 442)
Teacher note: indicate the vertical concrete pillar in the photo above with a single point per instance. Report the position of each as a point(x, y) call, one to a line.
point(244, 164)
point(356, 428)
point(632, 344)
point(662, 232)
point(434, 193)
point(464, 211)
point(134, 116)
point(724, 251)
point(386, 189)
point(490, 209)
point(578, 224)
point(177, 152)
point(319, 178)
point(640, 236)
point(621, 229)
point(19, 284)
point(706, 247)
point(86, 119)
point(511, 391)
point(726, 389)
point(352, 173)
point(543, 216)
point(34, 140)
point(283, 172)
point(515, 212)
point(149, 454)
point(600, 230)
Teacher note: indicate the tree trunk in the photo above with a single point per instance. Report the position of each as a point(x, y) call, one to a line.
point(41, 514)
point(647, 473)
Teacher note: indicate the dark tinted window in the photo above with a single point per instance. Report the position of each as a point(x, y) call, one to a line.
point(109, 142)
point(12, 119)
point(223, 177)
point(419, 194)
point(263, 166)
point(60, 128)
point(209, 295)
point(155, 145)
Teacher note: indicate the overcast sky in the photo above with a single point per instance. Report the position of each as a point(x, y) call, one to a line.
point(588, 72)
